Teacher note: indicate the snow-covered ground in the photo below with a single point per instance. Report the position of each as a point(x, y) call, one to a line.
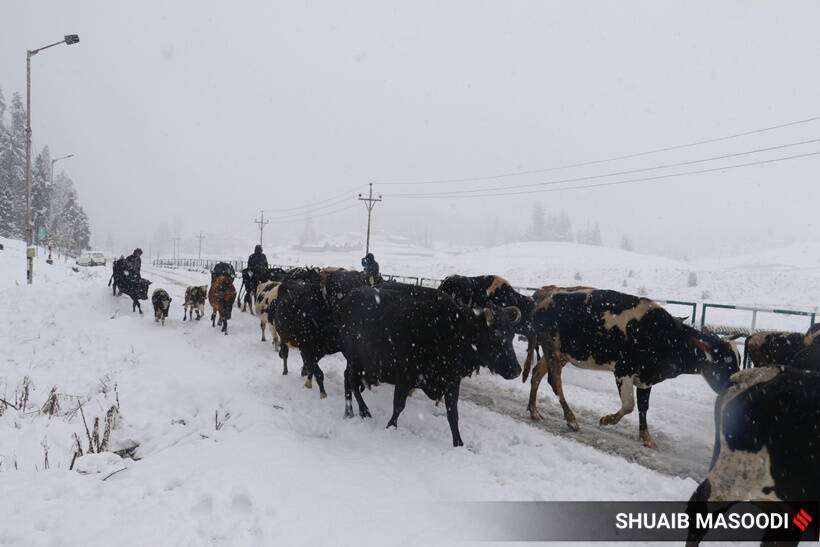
point(284, 467)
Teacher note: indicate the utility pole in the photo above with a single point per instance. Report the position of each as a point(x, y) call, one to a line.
point(261, 222)
point(369, 202)
point(200, 237)
point(176, 241)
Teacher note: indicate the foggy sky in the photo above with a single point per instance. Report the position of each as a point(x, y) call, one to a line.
point(201, 113)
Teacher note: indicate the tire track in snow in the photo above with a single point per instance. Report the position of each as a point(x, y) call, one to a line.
point(672, 457)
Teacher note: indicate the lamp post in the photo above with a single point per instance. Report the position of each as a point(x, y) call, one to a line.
point(55, 160)
point(69, 39)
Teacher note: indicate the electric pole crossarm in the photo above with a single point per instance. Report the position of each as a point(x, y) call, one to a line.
point(261, 222)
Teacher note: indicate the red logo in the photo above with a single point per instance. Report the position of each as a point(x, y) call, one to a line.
point(802, 520)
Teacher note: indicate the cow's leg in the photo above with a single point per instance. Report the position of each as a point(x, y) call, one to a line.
point(213, 318)
point(400, 393)
point(355, 387)
point(556, 366)
point(320, 378)
point(625, 388)
point(185, 313)
point(348, 394)
point(643, 408)
point(224, 321)
point(451, 404)
point(283, 353)
point(537, 375)
point(263, 327)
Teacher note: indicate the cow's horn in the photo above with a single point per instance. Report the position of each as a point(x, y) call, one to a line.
point(515, 314)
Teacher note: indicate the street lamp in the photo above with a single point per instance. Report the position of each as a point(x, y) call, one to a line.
point(69, 39)
point(55, 160)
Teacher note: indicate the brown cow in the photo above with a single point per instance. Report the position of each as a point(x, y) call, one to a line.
point(221, 296)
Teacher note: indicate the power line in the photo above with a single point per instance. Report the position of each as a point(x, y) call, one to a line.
point(313, 204)
point(454, 193)
point(616, 183)
point(605, 160)
point(312, 216)
point(261, 222)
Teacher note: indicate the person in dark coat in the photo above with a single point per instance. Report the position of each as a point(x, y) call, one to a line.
point(133, 263)
point(258, 267)
point(371, 268)
point(258, 262)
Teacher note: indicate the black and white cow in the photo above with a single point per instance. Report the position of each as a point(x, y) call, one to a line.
point(777, 348)
point(195, 302)
point(302, 318)
point(633, 337)
point(162, 303)
point(266, 293)
point(415, 337)
point(767, 430)
point(483, 290)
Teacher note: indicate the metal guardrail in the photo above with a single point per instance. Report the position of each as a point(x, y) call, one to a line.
point(208, 264)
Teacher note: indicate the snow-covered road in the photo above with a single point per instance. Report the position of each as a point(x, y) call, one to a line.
point(286, 467)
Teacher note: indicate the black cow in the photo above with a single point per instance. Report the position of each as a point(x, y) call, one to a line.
point(483, 290)
point(302, 317)
point(766, 439)
point(633, 337)
point(136, 288)
point(807, 358)
point(307, 274)
point(415, 337)
point(777, 348)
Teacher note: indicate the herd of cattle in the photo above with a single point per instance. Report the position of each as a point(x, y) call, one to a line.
point(767, 418)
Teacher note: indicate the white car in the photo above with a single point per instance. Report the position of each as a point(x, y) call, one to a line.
point(91, 258)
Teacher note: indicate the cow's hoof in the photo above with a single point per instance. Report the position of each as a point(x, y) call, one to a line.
point(457, 443)
point(573, 425)
point(284, 372)
point(392, 423)
point(647, 440)
point(309, 383)
point(323, 395)
point(609, 419)
point(365, 414)
point(535, 415)
point(348, 412)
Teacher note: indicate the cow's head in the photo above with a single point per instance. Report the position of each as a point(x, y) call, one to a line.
point(718, 359)
point(494, 342)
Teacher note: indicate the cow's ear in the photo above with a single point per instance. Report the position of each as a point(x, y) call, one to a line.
point(700, 344)
point(489, 316)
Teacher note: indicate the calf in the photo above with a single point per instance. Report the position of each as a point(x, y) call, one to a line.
point(195, 301)
point(302, 318)
point(162, 303)
point(633, 337)
point(421, 338)
point(266, 294)
point(766, 439)
point(221, 296)
point(777, 348)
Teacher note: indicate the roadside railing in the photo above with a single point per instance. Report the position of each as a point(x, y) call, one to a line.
point(722, 327)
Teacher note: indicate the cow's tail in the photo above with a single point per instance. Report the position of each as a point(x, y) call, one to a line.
point(532, 344)
point(746, 352)
point(110, 280)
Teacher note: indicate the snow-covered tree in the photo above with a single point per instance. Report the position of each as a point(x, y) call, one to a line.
point(40, 191)
point(626, 243)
